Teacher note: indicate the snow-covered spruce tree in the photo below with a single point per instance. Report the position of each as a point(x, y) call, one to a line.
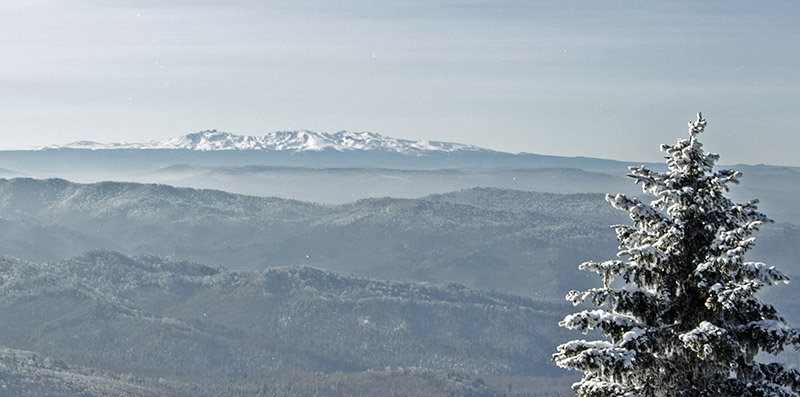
point(686, 321)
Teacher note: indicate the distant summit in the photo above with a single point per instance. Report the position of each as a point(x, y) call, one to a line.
point(299, 141)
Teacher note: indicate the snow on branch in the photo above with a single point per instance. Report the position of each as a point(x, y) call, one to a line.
point(614, 324)
point(702, 339)
point(593, 355)
point(597, 387)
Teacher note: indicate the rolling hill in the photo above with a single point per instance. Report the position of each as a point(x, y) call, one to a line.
point(519, 242)
point(153, 318)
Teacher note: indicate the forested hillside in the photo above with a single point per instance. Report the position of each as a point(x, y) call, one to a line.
point(154, 318)
point(513, 241)
point(526, 243)
point(253, 312)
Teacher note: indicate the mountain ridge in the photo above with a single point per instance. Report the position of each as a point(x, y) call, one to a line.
point(298, 141)
point(309, 142)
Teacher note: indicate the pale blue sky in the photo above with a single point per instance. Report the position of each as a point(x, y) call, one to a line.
point(590, 78)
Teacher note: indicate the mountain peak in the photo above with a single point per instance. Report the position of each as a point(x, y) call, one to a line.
point(299, 141)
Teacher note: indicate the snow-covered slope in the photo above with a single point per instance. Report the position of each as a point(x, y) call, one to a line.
point(302, 140)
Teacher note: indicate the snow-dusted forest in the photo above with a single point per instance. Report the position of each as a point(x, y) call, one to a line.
point(114, 284)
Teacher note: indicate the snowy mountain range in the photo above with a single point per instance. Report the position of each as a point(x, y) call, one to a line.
point(299, 141)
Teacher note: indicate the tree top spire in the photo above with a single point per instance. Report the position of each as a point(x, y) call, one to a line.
point(697, 126)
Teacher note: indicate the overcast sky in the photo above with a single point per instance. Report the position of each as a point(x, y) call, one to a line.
point(575, 78)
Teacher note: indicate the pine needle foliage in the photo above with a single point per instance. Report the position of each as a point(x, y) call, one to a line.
point(678, 309)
